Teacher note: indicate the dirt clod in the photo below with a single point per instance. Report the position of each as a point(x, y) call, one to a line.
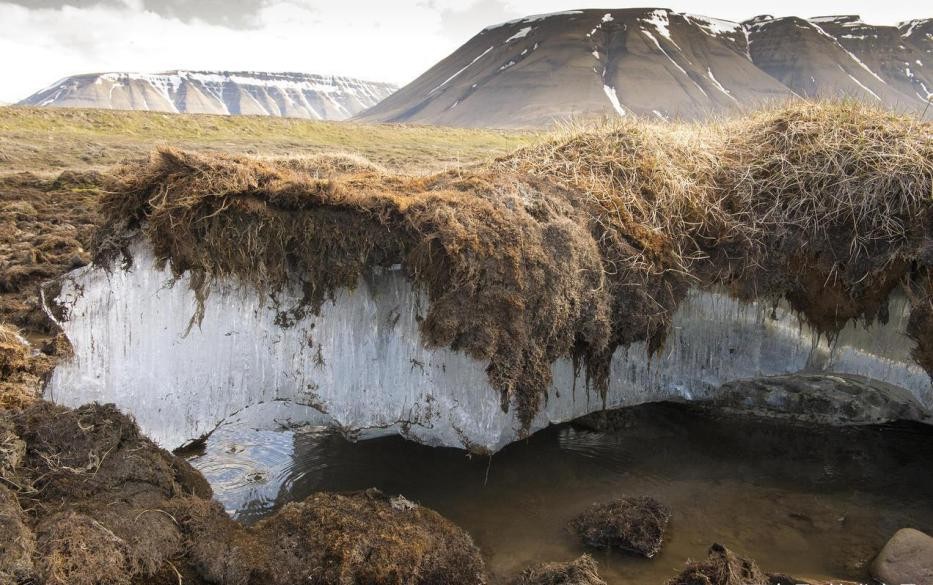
point(335, 539)
point(17, 543)
point(721, 567)
point(582, 571)
point(633, 524)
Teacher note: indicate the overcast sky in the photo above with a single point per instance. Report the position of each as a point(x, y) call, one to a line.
point(42, 41)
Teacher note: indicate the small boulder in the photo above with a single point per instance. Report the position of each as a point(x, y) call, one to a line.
point(579, 572)
point(634, 524)
point(906, 558)
point(829, 399)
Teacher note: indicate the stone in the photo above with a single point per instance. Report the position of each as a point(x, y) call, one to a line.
point(906, 558)
point(832, 399)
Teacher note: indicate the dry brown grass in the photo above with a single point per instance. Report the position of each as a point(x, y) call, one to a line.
point(46, 227)
point(18, 544)
point(43, 140)
point(361, 538)
point(21, 372)
point(574, 246)
point(631, 524)
point(582, 571)
point(722, 567)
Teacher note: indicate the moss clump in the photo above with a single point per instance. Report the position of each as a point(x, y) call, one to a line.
point(97, 491)
point(365, 538)
point(18, 544)
point(46, 229)
point(632, 524)
point(21, 372)
point(582, 571)
point(575, 246)
point(724, 567)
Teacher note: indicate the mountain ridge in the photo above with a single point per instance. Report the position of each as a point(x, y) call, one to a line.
point(532, 71)
point(285, 94)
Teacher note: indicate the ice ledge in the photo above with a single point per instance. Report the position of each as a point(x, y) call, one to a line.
point(360, 365)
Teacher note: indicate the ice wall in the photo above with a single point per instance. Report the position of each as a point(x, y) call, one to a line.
point(361, 365)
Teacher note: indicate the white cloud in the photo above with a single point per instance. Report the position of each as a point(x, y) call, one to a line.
point(372, 39)
point(41, 45)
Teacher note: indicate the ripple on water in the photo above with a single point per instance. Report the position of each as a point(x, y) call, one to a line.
point(246, 467)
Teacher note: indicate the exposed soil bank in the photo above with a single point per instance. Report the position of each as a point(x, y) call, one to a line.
point(575, 247)
point(46, 229)
point(86, 500)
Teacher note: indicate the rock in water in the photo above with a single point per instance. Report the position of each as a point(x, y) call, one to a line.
point(906, 558)
point(634, 524)
point(834, 399)
point(579, 572)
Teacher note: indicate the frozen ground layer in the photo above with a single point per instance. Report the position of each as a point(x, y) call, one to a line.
point(361, 365)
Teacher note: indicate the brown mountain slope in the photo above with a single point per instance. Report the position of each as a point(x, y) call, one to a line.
point(654, 62)
point(532, 71)
point(902, 56)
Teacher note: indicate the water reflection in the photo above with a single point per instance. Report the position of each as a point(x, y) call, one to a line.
point(810, 502)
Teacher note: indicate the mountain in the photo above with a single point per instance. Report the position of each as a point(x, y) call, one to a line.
point(842, 56)
point(296, 95)
point(655, 62)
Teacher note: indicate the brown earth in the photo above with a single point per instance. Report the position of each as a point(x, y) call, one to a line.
point(46, 228)
point(631, 524)
point(724, 567)
point(86, 500)
point(582, 571)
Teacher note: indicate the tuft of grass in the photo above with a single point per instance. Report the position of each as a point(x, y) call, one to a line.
point(20, 372)
point(583, 571)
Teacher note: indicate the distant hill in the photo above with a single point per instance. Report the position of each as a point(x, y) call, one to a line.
point(655, 62)
point(295, 95)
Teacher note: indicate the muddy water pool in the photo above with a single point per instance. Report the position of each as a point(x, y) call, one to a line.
point(810, 502)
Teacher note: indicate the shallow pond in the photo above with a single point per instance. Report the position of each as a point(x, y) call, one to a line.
point(810, 502)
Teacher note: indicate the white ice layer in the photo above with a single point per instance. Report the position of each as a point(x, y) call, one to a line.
point(362, 361)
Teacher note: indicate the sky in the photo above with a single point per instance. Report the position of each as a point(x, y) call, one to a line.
point(42, 41)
